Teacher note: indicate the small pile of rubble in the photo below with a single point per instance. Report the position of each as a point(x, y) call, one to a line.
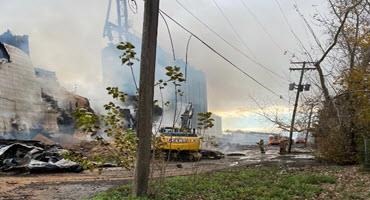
point(34, 157)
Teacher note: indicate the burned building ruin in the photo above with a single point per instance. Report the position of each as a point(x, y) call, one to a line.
point(19, 41)
point(20, 95)
point(31, 99)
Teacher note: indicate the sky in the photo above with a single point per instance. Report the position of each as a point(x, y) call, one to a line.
point(66, 37)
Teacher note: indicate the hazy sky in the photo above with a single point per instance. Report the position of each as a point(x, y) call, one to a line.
point(66, 37)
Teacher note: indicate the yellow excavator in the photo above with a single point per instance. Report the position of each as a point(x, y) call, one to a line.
point(181, 143)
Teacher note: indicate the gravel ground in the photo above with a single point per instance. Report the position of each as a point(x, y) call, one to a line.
point(74, 186)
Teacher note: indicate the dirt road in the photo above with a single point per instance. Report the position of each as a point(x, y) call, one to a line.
point(83, 185)
point(74, 186)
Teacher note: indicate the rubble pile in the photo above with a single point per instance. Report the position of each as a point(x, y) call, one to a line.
point(101, 155)
point(34, 157)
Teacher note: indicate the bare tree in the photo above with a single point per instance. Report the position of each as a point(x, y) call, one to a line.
point(338, 126)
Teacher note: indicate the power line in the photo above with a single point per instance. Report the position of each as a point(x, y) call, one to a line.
point(291, 28)
point(170, 36)
point(261, 25)
point(186, 57)
point(230, 44)
point(233, 28)
point(186, 65)
point(309, 27)
point(222, 56)
point(264, 28)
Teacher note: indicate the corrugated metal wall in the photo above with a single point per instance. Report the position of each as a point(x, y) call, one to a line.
point(20, 94)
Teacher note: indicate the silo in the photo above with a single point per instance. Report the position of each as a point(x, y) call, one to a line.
point(20, 94)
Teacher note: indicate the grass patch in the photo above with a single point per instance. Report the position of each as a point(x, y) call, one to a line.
point(249, 183)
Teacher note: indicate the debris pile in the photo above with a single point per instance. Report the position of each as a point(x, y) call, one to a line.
point(99, 154)
point(34, 157)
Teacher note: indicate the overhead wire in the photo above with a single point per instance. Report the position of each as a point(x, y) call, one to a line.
point(233, 29)
point(186, 64)
point(291, 29)
point(309, 27)
point(318, 43)
point(174, 61)
point(294, 34)
point(261, 25)
point(170, 36)
point(186, 56)
point(222, 56)
point(230, 44)
point(265, 30)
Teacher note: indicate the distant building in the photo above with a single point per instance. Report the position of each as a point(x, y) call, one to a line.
point(195, 90)
point(118, 75)
point(19, 41)
point(117, 29)
point(115, 74)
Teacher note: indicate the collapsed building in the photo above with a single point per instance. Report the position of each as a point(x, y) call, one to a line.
point(32, 101)
point(19, 41)
point(59, 104)
point(20, 94)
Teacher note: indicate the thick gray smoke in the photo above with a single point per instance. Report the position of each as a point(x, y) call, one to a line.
point(64, 39)
point(237, 141)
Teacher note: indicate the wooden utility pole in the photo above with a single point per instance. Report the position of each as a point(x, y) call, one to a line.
point(299, 90)
point(146, 93)
point(309, 125)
